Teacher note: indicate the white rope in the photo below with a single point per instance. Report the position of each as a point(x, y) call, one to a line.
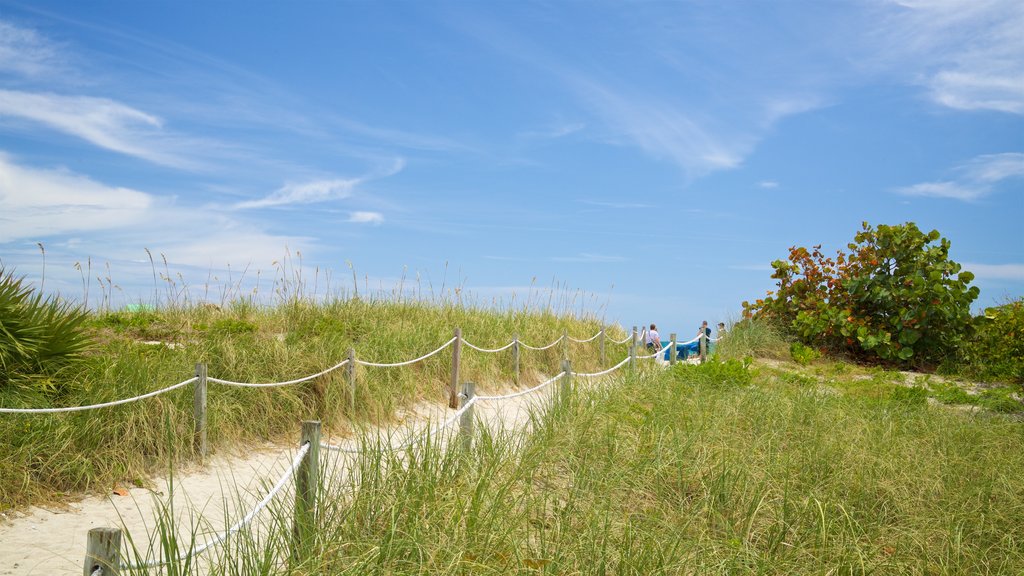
point(623, 341)
point(91, 406)
point(412, 437)
point(407, 362)
point(241, 523)
point(489, 350)
point(594, 337)
point(484, 397)
point(649, 355)
point(603, 372)
point(525, 345)
point(271, 384)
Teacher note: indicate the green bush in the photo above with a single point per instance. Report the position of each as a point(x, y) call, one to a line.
point(803, 355)
point(38, 336)
point(996, 353)
point(895, 296)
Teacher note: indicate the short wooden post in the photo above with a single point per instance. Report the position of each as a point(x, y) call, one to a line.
point(199, 411)
point(515, 358)
point(600, 341)
point(102, 552)
point(565, 343)
point(350, 373)
point(466, 419)
point(636, 337)
point(672, 350)
point(565, 384)
point(453, 389)
point(703, 346)
point(307, 478)
point(632, 357)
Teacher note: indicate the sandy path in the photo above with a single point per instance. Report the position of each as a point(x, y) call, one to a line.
point(49, 542)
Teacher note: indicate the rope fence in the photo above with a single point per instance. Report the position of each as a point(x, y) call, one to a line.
point(103, 549)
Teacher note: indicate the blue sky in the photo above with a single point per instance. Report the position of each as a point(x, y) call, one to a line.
point(648, 159)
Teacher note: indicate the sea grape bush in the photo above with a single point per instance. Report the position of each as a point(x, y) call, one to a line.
point(895, 295)
point(996, 350)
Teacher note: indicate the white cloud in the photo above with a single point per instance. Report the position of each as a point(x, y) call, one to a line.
point(769, 184)
point(305, 193)
point(366, 217)
point(100, 121)
point(973, 179)
point(37, 203)
point(25, 52)
point(319, 190)
point(971, 53)
point(995, 271)
point(554, 131)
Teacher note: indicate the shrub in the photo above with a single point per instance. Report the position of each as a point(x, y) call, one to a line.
point(895, 296)
point(803, 355)
point(38, 336)
point(996, 352)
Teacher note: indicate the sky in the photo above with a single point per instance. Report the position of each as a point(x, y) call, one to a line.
point(637, 161)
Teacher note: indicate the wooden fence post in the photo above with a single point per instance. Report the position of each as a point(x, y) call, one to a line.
point(453, 389)
point(703, 346)
point(565, 343)
point(565, 384)
point(307, 478)
point(632, 357)
point(199, 411)
point(103, 552)
point(515, 357)
point(600, 341)
point(350, 373)
point(636, 336)
point(466, 419)
point(672, 350)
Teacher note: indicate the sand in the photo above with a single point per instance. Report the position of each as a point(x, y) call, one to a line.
point(42, 541)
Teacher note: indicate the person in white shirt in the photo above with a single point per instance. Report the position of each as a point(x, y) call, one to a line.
point(653, 339)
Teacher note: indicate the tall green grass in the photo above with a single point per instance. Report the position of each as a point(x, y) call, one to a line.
point(47, 456)
point(698, 470)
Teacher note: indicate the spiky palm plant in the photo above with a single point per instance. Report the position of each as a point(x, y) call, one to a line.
point(38, 335)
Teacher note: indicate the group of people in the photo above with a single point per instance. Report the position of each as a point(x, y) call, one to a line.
point(653, 339)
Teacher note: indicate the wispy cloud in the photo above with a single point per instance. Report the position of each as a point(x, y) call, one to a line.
point(554, 131)
point(995, 271)
point(38, 203)
point(972, 180)
point(972, 53)
point(318, 190)
point(366, 217)
point(103, 122)
point(25, 52)
point(664, 130)
point(769, 184)
point(111, 222)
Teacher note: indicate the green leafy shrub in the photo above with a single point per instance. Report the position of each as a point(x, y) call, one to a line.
point(996, 352)
point(803, 355)
point(895, 296)
point(38, 336)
